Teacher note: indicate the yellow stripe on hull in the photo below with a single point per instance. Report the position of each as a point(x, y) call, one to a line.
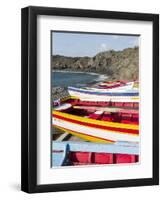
point(135, 98)
point(69, 97)
point(94, 121)
point(83, 136)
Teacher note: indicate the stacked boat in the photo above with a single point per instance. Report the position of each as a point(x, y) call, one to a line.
point(107, 112)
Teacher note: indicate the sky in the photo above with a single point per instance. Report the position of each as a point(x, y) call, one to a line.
point(82, 44)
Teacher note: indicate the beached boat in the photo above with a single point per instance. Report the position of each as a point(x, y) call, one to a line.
point(111, 86)
point(87, 153)
point(104, 95)
point(121, 91)
point(107, 91)
point(97, 123)
point(78, 102)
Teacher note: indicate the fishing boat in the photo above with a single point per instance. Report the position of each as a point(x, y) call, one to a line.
point(104, 95)
point(105, 124)
point(87, 153)
point(107, 91)
point(118, 85)
point(78, 102)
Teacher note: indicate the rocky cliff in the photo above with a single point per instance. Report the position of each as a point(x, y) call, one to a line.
point(117, 64)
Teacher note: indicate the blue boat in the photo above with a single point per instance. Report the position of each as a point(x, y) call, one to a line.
point(75, 153)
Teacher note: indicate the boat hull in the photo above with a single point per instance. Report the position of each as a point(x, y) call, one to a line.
point(95, 130)
point(102, 97)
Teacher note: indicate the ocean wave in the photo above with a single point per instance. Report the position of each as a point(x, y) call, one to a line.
point(102, 77)
point(66, 71)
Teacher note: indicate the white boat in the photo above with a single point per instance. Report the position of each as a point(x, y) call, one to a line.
point(117, 91)
point(91, 95)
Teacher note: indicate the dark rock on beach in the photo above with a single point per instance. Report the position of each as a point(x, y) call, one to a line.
point(59, 92)
point(117, 65)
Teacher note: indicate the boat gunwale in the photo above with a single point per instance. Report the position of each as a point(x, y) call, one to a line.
point(109, 93)
point(100, 127)
point(95, 121)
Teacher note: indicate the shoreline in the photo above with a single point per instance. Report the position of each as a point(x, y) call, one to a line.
point(61, 92)
point(101, 77)
point(75, 72)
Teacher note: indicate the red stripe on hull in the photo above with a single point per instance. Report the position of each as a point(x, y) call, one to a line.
point(123, 130)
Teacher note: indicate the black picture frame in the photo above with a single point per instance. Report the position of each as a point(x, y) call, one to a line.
point(29, 98)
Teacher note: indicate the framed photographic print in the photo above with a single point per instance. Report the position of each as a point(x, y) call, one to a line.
point(90, 99)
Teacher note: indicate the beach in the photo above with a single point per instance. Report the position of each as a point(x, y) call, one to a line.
point(62, 79)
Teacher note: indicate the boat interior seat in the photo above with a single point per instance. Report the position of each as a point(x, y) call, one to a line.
point(96, 115)
point(106, 116)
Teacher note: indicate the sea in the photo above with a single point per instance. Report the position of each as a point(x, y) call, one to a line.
point(69, 78)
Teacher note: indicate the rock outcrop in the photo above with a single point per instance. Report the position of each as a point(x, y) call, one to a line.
point(117, 64)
